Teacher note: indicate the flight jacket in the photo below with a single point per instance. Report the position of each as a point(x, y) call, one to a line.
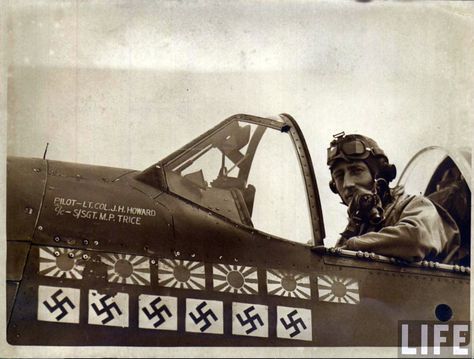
point(414, 229)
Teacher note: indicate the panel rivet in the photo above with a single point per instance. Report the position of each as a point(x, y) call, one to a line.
point(153, 261)
point(96, 243)
point(56, 253)
point(57, 238)
point(86, 242)
point(40, 228)
point(85, 257)
point(70, 255)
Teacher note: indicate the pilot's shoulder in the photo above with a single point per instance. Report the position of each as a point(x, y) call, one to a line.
point(420, 201)
point(408, 204)
point(403, 199)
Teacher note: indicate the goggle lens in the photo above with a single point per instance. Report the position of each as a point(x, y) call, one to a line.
point(332, 151)
point(353, 148)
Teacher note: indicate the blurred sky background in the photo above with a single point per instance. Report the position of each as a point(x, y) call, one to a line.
point(124, 83)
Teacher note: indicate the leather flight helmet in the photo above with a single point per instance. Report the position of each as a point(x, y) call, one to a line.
point(354, 147)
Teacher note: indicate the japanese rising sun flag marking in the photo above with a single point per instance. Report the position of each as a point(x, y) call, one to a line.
point(288, 284)
point(61, 262)
point(235, 279)
point(127, 269)
point(338, 290)
point(177, 273)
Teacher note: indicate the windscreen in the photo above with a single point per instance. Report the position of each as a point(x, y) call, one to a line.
point(248, 173)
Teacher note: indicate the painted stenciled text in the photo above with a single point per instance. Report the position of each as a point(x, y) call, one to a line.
point(101, 211)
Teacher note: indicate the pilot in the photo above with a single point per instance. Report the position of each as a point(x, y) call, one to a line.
point(381, 219)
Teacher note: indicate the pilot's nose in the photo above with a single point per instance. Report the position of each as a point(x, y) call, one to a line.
point(348, 181)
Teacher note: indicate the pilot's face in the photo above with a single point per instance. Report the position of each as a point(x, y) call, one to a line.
point(351, 178)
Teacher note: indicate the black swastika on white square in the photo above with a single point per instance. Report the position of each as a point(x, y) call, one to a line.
point(203, 316)
point(59, 304)
point(293, 323)
point(106, 308)
point(157, 312)
point(250, 319)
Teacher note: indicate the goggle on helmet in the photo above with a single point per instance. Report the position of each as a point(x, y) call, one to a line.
point(352, 147)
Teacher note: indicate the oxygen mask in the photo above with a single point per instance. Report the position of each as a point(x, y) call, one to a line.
point(367, 208)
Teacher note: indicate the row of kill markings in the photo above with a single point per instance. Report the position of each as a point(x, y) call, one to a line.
point(184, 274)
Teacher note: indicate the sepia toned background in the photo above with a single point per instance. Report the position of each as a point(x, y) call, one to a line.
point(124, 83)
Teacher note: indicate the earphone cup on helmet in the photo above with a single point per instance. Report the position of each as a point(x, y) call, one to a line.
point(332, 186)
point(391, 172)
point(388, 172)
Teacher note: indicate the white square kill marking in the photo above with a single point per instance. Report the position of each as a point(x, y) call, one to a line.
point(157, 312)
point(110, 310)
point(58, 304)
point(294, 323)
point(204, 316)
point(250, 320)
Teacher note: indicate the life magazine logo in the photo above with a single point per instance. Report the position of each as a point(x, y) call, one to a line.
point(431, 339)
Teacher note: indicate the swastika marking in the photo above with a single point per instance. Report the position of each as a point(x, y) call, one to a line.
point(59, 304)
point(106, 308)
point(157, 312)
point(203, 316)
point(250, 319)
point(293, 323)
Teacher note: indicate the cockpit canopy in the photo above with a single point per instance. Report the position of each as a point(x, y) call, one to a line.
point(254, 172)
point(444, 176)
